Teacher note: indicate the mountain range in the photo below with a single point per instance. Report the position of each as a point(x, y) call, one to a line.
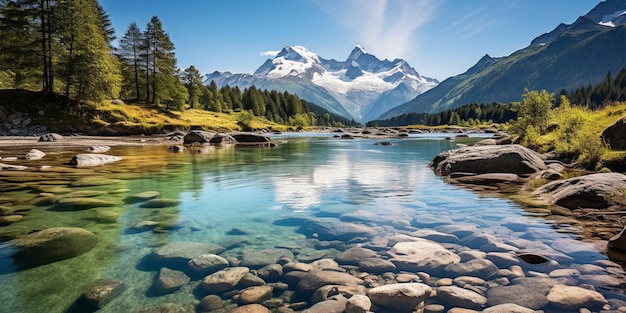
point(362, 87)
point(568, 57)
point(365, 88)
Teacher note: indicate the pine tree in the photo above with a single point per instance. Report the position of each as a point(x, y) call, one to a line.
point(193, 82)
point(87, 65)
point(129, 52)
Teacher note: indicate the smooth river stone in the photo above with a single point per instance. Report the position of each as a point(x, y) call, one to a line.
point(400, 297)
point(423, 255)
point(182, 252)
point(142, 196)
point(52, 244)
point(224, 280)
point(574, 298)
point(316, 279)
point(260, 258)
point(465, 298)
point(92, 159)
point(83, 203)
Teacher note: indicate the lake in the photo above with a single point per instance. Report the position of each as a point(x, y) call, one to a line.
point(249, 199)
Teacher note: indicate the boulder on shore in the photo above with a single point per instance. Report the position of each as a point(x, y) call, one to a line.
point(597, 191)
point(50, 137)
point(92, 159)
point(514, 159)
point(615, 134)
point(197, 136)
point(250, 138)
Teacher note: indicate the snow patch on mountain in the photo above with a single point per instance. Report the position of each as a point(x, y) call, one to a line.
point(359, 84)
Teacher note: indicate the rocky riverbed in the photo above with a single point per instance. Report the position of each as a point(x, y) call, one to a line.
point(392, 260)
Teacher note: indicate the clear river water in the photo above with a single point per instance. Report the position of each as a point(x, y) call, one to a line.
point(240, 197)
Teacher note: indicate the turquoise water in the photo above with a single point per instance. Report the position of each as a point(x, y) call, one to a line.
point(236, 197)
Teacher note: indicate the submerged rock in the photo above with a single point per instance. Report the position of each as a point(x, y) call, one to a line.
point(83, 203)
point(333, 229)
point(97, 149)
point(316, 279)
point(101, 293)
point(461, 297)
point(598, 191)
point(260, 258)
point(34, 154)
point(400, 297)
point(421, 255)
point(160, 203)
point(169, 280)
point(182, 252)
point(207, 264)
point(52, 244)
point(224, 280)
point(513, 159)
point(142, 196)
point(92, 159)
point(574, 298)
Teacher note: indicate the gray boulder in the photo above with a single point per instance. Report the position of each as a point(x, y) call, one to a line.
point(250, 138)
point(508, 308)
point(513, 159)
point(52, 244)
point(197, 136)
point(400, 297)
point(615, 134)
point(221, 139)
point(353, 255)
point(596, 191)
point(50, 137)
point(92, 159)
point(527, 292)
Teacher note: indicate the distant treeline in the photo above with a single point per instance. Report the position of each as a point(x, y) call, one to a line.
point(467, 115)
point(282, 108)
point(610, 90)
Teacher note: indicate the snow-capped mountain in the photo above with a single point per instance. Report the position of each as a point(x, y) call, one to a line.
point(361, 87)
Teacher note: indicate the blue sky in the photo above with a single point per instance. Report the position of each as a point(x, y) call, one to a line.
point(439, 38)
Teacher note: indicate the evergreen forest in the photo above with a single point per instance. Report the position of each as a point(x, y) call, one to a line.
point(69, 48)
point(611, 90)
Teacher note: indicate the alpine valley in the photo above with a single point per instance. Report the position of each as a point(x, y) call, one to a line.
point(366, 88)
point(362, 87)
point(568, 57)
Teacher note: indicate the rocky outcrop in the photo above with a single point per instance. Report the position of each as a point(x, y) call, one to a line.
point(615, 134)
point(597, 191)
point(52, 244)
point(513, 159)
point(92, 159)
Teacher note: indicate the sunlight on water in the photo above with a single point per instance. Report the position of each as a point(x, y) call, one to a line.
point(234, 197)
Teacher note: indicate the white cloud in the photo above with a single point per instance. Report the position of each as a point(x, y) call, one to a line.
point(384, 27)
point(270, 53)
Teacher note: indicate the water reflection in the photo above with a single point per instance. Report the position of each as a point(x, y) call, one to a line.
point(234, 196)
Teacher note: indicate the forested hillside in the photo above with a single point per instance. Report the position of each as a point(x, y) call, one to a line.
point(67, 48)
point(612, 89)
